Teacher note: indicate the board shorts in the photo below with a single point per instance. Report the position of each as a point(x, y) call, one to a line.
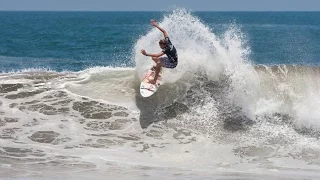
point(168, 63)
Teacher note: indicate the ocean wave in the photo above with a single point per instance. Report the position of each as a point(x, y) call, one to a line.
point(217, 109)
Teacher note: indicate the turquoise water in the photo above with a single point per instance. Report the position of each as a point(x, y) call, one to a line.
point(77, 40)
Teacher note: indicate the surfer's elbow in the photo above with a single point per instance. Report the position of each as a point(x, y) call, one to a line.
point(160, 54)
point(155, 58)
point(157, 55)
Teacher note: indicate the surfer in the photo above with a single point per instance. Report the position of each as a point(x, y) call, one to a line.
point(168, 49)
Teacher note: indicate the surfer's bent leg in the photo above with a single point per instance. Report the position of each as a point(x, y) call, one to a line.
point(157, 67)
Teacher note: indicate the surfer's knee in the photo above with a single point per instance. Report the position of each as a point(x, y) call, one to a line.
point(158, 63)
point(156, 59)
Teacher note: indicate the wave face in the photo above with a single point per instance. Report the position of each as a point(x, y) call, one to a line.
point(216, 115)
point(204, 55)
point(291, 90)
point(213, 68)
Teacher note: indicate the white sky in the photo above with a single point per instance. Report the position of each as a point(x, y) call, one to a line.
point(160, 5)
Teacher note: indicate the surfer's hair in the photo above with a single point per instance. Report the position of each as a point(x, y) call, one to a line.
point(162, 41)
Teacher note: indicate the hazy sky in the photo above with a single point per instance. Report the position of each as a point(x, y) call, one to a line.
point(160, 5)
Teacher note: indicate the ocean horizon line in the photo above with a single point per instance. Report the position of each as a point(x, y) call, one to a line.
point(228, 11)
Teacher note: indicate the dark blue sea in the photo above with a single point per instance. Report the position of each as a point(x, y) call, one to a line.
point(243, 102)
point(77, 40)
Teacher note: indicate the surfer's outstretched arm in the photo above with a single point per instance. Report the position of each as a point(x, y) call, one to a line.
point(154, 23)
point(151, 55)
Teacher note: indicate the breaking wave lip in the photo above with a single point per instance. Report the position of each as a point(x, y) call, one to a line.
point(221, 63)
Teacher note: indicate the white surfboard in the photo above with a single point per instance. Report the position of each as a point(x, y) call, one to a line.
point(147, 89)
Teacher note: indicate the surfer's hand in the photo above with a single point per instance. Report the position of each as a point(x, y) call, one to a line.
point(143, 51)
point(153, 22)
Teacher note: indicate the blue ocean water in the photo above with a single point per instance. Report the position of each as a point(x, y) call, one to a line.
point(74, 41)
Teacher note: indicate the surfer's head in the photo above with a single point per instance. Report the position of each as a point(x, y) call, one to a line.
point(162, 44)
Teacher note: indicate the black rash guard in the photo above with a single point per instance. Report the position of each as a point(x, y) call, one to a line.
point(170, 50)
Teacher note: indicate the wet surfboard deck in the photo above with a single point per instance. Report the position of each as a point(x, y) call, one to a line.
point(147, 89)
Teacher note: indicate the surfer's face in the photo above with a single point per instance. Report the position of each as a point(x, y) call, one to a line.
point(162, 46)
